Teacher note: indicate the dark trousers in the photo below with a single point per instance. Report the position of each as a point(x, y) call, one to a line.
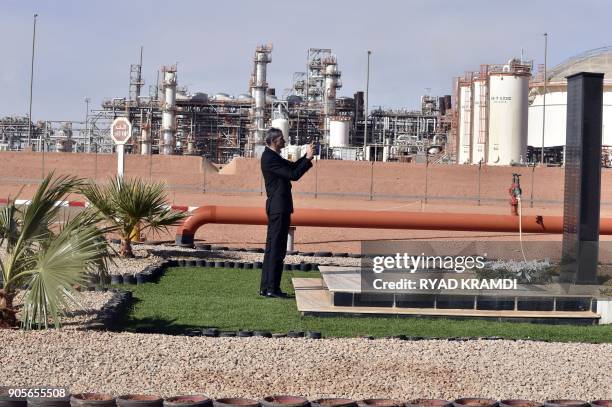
point(276, 249)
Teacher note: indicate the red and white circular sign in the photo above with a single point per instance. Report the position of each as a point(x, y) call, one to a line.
point(121, 130)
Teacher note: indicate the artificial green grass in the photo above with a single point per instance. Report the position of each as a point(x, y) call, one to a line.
point(228, 299)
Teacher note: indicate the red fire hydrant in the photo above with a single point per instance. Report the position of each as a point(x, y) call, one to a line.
point(515, 192)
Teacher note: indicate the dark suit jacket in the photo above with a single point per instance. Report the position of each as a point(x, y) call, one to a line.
point(278, 174)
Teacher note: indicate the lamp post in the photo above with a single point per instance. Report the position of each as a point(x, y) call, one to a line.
point(32, 83)
point(87, 100)
point(544, 98)
point(365, 119)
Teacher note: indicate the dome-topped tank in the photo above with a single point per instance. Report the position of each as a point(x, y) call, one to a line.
point(200, 97)
point(595, 60)
point(294, 99)
point(222, 97)
point(182, 95)
point(554, 128)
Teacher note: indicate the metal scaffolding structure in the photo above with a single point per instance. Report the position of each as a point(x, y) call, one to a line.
point(50, 135)
point(403, 134)
point(315, 78)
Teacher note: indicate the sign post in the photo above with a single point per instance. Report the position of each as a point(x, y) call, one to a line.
point(121, 132)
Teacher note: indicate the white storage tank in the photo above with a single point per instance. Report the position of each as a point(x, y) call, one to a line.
point(556, 116)
point(465, 122)
point(339, 132)
point(508, 109)
point(283, 125)
point(479, 127)
point(291, 152)
point(596, 60)
point(556, 109)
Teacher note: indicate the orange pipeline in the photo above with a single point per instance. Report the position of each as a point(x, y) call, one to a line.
point(376, 220)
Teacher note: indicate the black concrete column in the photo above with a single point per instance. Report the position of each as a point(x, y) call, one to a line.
point(582, 178)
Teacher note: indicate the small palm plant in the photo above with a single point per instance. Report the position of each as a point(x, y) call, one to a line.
point(46, 257)
point(131, 204)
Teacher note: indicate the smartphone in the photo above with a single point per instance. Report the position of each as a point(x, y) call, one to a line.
point(316, 144)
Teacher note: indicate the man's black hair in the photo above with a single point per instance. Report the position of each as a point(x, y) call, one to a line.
point(272, 134)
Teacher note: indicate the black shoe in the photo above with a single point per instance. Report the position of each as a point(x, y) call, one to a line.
point(278, 294)
point(263, 293)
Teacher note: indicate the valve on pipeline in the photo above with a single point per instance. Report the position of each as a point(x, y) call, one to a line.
point(515, 192)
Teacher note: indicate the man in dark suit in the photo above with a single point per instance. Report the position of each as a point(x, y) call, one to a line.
point(278, 174)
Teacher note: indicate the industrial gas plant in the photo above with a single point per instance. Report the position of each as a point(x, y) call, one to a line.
point(493, 117)
point(171, 120)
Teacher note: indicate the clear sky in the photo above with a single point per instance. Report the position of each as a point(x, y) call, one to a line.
point(85, 47)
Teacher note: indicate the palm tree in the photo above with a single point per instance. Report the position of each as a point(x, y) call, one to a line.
point(45, 259)
point(131, 204)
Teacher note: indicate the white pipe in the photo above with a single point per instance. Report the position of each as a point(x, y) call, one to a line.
point(520, 213)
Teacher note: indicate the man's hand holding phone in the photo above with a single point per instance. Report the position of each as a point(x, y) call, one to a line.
point(310, 150)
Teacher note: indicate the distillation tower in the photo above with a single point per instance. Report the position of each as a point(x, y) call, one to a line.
point(259, 87)
point(168, 110)
point(332, 83)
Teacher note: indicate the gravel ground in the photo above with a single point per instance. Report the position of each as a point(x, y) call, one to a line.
point(75, 317)
point(187, 253)
point(146, 254)
point(122, 363)
point(142, 258)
